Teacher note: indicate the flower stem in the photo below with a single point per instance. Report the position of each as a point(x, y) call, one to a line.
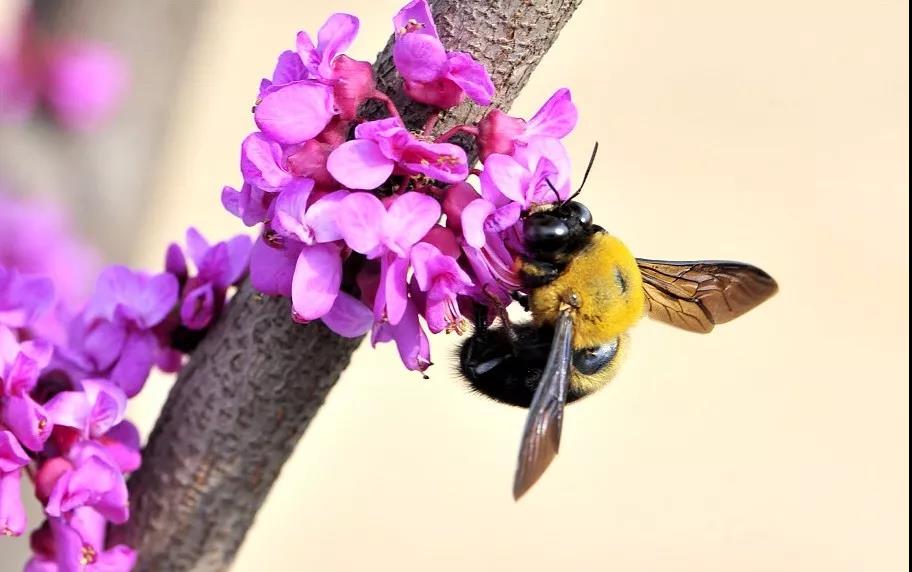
point(453, 132)
point(390, 106)
point(431, 122)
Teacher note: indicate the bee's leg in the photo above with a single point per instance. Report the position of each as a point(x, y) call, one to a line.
point(537, 273)
point(501, 310)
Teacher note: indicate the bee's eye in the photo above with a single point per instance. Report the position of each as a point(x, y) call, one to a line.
point(580, 212)
point(545, 232)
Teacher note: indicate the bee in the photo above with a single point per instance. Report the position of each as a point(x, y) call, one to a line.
point(585, 290)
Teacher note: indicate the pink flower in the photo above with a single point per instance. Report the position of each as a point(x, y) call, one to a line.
point(89, 479)
point(218, 267)
point(369, 228)
point(380, 146)
point(23, 298)
point(93, 411)
point(443, 281)
point(85, 83)
point(411, 341)
point(12, 459)
point(523, 177)
point(295, 112)
point(20, 366)
point(500, 133)
point(251, 204)
point(433, 75)
point(77, 544)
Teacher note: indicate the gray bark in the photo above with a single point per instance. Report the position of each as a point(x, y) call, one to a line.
point(257, 380)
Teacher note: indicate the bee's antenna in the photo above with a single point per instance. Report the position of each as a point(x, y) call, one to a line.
point(556, 194)
point(585, 175)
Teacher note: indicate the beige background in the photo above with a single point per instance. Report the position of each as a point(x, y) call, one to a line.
point(773, 132)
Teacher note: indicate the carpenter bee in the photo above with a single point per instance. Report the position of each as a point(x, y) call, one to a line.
point(585, 290)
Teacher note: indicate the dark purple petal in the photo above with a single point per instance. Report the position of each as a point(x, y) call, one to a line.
point(471, 76)
point(295, 112)
point(349, 317)
point(317, 276)
point(198, 307)
point(102, 342)
point(175, 263)
point(359, 164)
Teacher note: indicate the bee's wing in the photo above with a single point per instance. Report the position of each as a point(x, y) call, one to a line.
point(541, 436)
point(698, 295)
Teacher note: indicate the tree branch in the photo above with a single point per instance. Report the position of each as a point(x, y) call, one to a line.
point(257, 380)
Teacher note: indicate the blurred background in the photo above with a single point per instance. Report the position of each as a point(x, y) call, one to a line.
point(772, 132)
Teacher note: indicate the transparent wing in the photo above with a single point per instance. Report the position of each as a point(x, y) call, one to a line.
point(541, 437)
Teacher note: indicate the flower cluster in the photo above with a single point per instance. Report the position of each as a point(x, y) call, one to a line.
point(372, 227)
point(79, 82)
point(69, 364)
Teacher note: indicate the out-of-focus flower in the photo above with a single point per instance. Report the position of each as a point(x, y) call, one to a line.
point(77, 544)
point(23, 298)
point(381, 146)
point(12, 459)
point(91, 479)
point(218, 267)
point(501, 133)
point(84, 83)
point(433, 75)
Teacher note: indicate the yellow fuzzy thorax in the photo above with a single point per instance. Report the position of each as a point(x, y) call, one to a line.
point(608, 289)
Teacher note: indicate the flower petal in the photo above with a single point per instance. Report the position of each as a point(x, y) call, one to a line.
point(473, 221)
point(396, 289)
point(334, 37)
point(471, 76)
point(198, 307)
point(289, 68)
point(27, 420)
point(349, 317)
point(295, 112)
point(317, 276)
point(359, 164)
point(442, 161)
point(197, 246)
point(419, 57)
point(415, 17)
point(135, 363)
point(70, 409)
point(321, 217)
point(289, 213)
point(272, 268)
point(504, 176)
point(12, 511)
point(556, 118)
point(261, 163)
point(410, 217)
point(360, 218)
point(12, 455)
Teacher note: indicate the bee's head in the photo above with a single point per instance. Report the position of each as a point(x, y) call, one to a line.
point(558, 231)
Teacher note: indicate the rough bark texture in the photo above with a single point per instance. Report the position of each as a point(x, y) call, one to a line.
point(258, 379)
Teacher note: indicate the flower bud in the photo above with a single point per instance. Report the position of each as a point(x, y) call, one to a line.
point(497, 133)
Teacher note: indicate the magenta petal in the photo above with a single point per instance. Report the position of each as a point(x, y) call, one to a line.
point(472, 77)
point(295, 112)
point(321, 217)
point(360, 218)
point(197, 246)
point(157, 299)
point(238, 259)
point(12, 511)
point(473, 221)
point(556, 118)
point(289, 213)
point(122, 444)
point(359, 164)
point(109, 405)
point(103, 341)
point(396, 289)
point(12, 455)
point(411, 341)
point(262, 164)
point(271, 268)
point(135, 363)
point(415, 12)
point(69, 409)
point(334, 37)
point(289, 68)
point(410, 217)
point(27, 420)
point(442, 161)
point(419, 57)
point(349, 317)
point(316, 281)
point(504, 176)
point(120, 558)
point(175, 263)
